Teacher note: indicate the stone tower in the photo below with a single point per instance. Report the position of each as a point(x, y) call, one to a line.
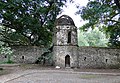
point(65, 42)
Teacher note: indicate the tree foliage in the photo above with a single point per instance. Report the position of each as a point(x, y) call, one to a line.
point(7, 51)
point(94, 38)
point(82, 39)
point(29, 22)
point(105, 13)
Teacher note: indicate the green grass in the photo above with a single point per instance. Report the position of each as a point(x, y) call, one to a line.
point(7, 62)
point(88, 76)
point(3, 72)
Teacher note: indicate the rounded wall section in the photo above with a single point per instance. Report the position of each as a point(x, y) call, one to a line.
point(64, 20)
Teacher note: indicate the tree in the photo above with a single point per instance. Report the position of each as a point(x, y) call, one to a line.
point(10, 36)
point(117, 2)
point(82, 41)
point(94, 38)
point(105, 13)
point(4, 47)
point(5, 50)
point(30, 20)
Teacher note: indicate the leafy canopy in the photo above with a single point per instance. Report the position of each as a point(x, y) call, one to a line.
point(7, 51)
point(29, 22)
point(94, 38)
point(105, 13)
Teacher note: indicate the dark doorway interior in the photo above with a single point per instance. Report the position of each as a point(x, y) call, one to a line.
point(67, 61)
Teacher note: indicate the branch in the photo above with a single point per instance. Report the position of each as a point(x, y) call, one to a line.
point(113, 20)
point(114, 15)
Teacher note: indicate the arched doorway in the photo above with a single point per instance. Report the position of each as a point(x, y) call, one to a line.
point(67, 61)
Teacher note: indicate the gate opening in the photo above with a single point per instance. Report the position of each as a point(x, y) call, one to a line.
point(67, 61)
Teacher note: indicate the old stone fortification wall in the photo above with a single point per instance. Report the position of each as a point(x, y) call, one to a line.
point(24, 54)
point(91, 57)
point(88, 57)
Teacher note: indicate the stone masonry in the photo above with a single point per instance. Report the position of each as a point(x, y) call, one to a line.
point(93, 57)
point(82, 57)
point(66, 52)
point(24, 54)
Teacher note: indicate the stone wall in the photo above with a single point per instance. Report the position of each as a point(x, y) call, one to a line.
point(24, 54)
point(84, 57)
point(60, 52)
point(91, 57)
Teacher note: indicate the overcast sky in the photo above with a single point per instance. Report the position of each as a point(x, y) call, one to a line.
point(71, 9)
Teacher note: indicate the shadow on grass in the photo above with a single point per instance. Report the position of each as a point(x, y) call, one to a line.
point(4, 71)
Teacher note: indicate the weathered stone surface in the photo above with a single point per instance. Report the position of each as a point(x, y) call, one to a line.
point(64, 20)
point(65, 43)
point(24, 54)
point(61, 35)
point(83, 57)
point(27, 54)
point(60, 52)
point(66, 52)
point(90, 57)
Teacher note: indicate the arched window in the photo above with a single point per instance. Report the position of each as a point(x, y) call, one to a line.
point(69, 37)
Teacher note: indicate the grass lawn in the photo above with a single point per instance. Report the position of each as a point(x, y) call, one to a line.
point(88, 76)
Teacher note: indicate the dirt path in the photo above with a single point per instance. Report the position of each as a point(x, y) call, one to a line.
point(37, 74)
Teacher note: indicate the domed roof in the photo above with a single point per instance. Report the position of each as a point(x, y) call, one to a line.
point(64, 20)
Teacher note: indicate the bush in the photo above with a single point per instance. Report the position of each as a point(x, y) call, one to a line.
point(5, 50)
